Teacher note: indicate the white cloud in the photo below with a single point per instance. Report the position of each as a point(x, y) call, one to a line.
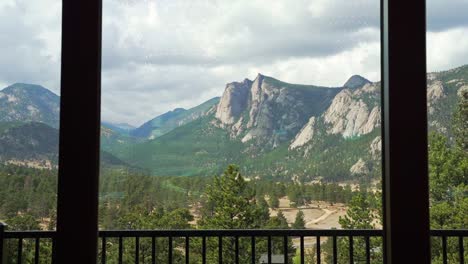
point(30, 42)
point(447, 49)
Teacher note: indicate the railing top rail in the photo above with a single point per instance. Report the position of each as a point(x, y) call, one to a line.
point(239, 233)
point(449, 232)
point(30, 234)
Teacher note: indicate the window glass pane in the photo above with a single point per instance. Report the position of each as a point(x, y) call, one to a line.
point(447, 94)
point(30, 33)
point(447, 44)
point(288, 91)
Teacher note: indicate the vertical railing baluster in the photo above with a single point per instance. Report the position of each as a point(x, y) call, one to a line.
point(25, 250)
point(461, 250)
point(54, 250)
point(187, 250)
point(319, 253)
point(2, 237)
point(220, 250)
point(120, 249)
point(170, 250)
point(204, 250)
point(368, 250)
point(36, 250)
point(285, 249)
point(20, 251)
point(444, 249)
point(103, 250)
point(137, 249)
point(302, 250)
point(153, 250)
point(335, 250)
point(252, 245)
point(236, 246)
point(269, 250)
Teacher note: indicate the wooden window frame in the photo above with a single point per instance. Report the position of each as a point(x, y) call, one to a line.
point(404, 132)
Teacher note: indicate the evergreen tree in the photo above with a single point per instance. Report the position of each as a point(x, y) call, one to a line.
point(23, 221)
point(448, 181)
point(460, 122)
point(231, 206)
point(277, 222)
point(361, 214)
point(299, 223)
point(274, 201)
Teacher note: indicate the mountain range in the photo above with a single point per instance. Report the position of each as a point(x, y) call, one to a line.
point(270, 128)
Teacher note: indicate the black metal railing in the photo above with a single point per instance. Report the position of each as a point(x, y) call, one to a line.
point(213, 246)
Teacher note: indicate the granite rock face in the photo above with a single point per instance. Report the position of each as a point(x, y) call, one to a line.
point(233, 102)
point(435, 92)
point(269, 112)
point(354, 112)
point(376, 148)
point(305, 135)
point(359, 168)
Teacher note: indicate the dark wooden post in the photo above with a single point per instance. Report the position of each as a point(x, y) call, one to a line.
point(77, 205)
point(405, 164)
point(2, 238)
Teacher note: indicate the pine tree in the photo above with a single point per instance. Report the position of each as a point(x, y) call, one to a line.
point(230, 204)
point(360, 214)
point(277, 222)
point(299, 223)
point(274, 201)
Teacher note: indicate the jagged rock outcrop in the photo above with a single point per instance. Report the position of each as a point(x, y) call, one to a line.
point(270, 111)
point(350, 115)
point(233, 102)
point(463, 90)
point(435, 92)
point(305, 135)
point(356, 81)
point(376, 147)
point(359, 168)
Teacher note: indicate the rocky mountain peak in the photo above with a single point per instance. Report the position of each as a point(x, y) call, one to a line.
point(233, 102)
point(356, 81)
point(24, 87)
point(179, 109)
point(259, 76)
point(29, 102)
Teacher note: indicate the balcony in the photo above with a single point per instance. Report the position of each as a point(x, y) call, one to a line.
point(223, 246)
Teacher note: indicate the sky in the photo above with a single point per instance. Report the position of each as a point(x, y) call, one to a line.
point(162, 54)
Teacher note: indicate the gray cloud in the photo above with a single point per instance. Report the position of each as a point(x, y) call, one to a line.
point(27, 49)
point(445, 14)
point(163, 54)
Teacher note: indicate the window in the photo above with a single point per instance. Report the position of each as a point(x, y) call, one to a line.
point(289, 93)
point(29, 112)
point(405, 157)
point(447, 95)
